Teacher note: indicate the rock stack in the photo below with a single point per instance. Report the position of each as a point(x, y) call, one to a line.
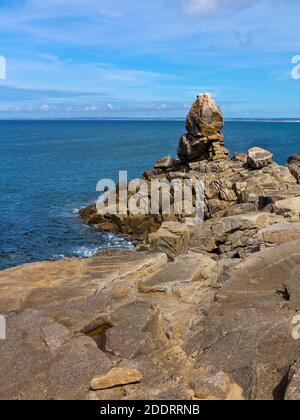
point(248, 182)
point(204, 140)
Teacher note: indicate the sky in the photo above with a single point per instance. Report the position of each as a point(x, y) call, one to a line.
point(148, 59)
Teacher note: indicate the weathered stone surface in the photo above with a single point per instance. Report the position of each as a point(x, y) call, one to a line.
point(205, 117)
point(197, 149)
point(239, 209)
point(139, 226)
point(235, 236)
point(172, 238)
point(30, 369)
point(216, 386)
point(45, 283)
point(295, 171)
point(240, 157)
point(278, 234)
point(259, 158)
point(191, 148)
point(56, 348)
point(187, 269)
point(293, 381)
point(116, 377)
point(203, 140)
point(135, 331)
point(165, 163)
point(253, 318)
point(294, 166)
point(294, 159)
point(288, 208)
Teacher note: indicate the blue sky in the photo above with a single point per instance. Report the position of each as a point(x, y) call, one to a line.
point(130, 58)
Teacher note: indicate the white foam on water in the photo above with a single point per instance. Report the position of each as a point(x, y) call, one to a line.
point(114, 242)
point(86, 252)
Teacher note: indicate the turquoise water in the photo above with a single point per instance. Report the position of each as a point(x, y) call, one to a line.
point(49, 169)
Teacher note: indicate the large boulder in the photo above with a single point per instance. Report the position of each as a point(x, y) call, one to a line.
point(259, 158)
point(172, 238)
point(205, 117)
point(193, 148)
point(234, 236)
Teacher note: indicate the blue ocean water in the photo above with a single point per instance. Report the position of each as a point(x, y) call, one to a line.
point(48, 169)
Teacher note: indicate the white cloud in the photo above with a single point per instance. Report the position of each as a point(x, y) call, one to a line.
point(44, 108)
point(201, 6)
point(91, 109)
point(210, 7)
point(10, 109)
point(157, 106)
point(47, 108)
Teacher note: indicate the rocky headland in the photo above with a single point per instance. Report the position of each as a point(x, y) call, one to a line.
point(197, 311)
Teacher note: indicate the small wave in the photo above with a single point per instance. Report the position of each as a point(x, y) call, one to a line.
point(59, 257)
point(110, 241)
point(86, 252)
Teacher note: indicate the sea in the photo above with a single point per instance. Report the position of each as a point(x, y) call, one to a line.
point(49, 170)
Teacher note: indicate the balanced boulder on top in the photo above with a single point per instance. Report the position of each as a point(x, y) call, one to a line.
point(203, 140)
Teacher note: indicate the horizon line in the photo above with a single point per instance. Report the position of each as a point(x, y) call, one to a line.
point(170, 119)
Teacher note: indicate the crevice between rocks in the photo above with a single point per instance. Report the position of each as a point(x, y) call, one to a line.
point(284, 292)
point(98, 334)
point(279, 392)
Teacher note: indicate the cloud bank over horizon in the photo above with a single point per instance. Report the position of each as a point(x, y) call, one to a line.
point(125, 58)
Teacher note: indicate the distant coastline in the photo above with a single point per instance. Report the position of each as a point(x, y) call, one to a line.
point(136, 119)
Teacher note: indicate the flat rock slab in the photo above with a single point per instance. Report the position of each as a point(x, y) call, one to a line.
point(185, 269)
point(42, 359)
point(116, 377)
point(165, 163)
point(279, 234)
point(38, 284)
